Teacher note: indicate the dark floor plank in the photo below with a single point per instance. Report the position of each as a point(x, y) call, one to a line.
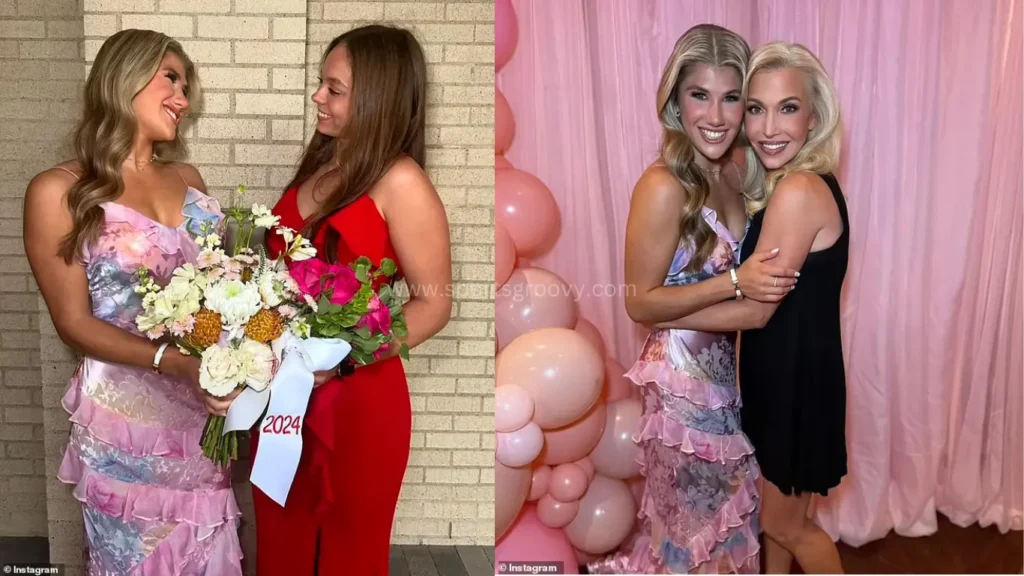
point(24, 550)
point(489, 551)
point(419, 561)
point(475, 560)
point(447, 561)
point(396, 562)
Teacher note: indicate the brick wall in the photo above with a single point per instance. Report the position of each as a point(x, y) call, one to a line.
point(258, 64)
point(41, 76)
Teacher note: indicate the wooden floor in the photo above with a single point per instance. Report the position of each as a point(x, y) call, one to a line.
point(441, 561)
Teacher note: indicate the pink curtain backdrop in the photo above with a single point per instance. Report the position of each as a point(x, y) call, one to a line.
point(930, 93)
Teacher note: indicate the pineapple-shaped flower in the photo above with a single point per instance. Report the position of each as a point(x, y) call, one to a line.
point(206, 331)
point(265, 326)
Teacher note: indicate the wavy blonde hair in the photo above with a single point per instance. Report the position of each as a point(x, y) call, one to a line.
point(703, 44)
point(125, 64)
point(820, 154)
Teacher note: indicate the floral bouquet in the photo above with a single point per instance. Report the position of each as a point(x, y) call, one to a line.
point(232, 311)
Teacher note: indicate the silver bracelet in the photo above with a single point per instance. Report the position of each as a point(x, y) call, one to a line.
point(735, 283)
point(159, 356)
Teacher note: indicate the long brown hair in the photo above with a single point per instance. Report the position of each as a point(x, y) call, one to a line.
point(387, 120)
point(703, 44)
point(103, 139)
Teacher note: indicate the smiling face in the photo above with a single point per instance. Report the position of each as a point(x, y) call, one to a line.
point(779, 115)
point(160, 106)
point(334, 96)
point(710, 108)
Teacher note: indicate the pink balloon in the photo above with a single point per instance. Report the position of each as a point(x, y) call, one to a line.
point(616, 453)
point(513, 408)
point(530, 299)
point(572, 442)
point(568, 483)
point(592, 334)
point(588, 466)
point(559, 369)
point(504, 255)
point(500, 163)
point(521, 447)
point(554, 513)
point(529, 540)
point(539, 484)
point(605, 518)
point(616, 385)
point(504, 123)
point(525, 206)
point(511, 486)
point(506, 33)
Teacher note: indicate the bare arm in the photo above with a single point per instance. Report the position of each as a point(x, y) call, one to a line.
point(652, 237)
point(418, 227)
point(65, 289)
point(792, 221)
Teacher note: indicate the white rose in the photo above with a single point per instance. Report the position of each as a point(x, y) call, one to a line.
point(257, 361)
point(221, 372)
point(235, 301)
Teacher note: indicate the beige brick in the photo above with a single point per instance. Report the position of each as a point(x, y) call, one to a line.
point(8, 49)
point(453, 404)
point(471, 11)
point(213, 77)
point(49, 49)
point(269, 104)
point(289, 28)
point(469, 53)
point(481, 458)
point(216, 103)
point(120, 5)
point(428, 457)
point(267, 154)
point(232, 129)
point(196, 6)
point(460, 510)
point(353, 11)
point(270, 6)
point(174, 26)
point(474, 423)
point(452, 440)
point(418, 11)
point(208, 51)
point(413, 476)
point(430, 33)
point(234, 27)
point(269, 52)
point(22, 29)
point(425, 422)
point(473, 528)
point(289, 79)
point(451, 476)
point(287, 129)
point(209, 153)
point(404, 526)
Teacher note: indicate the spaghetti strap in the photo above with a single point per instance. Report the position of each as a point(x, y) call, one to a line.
point(66, 170)
point(187, 185)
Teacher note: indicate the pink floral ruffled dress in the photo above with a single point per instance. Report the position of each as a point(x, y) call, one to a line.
point(153, 504)
point(699, 509)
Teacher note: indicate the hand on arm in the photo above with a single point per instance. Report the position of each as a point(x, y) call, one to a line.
point(652, 237)
point(792, 220)
point(65, 289)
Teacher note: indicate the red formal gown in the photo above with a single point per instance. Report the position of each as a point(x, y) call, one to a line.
point(338, 515)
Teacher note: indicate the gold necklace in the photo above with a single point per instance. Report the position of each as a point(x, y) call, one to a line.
point(141, 165)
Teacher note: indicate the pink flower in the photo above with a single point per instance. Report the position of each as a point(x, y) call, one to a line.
point(343, 284)
point(378, 318)
point(307, 274)
point(183, 327)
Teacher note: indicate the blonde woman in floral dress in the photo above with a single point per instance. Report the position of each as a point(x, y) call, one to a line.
point(699, 510)
point(152, 503)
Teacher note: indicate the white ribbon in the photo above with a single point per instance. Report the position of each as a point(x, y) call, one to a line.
point(280, 446)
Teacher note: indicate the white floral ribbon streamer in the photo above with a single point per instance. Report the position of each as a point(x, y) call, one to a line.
point(285, 400)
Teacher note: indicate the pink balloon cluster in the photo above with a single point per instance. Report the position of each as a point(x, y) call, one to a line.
point(564, 414)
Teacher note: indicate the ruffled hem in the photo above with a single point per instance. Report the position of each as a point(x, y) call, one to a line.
point(173, 555)
point(735, 513)
point(707, 446)
point(681, 384)
point(203, 509)
point(134, 438)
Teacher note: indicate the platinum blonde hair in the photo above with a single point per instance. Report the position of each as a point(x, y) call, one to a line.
point(820, 154)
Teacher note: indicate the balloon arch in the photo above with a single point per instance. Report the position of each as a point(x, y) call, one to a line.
point(567, 472)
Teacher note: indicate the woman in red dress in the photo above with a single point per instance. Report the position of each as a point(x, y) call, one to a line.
point(360, 190)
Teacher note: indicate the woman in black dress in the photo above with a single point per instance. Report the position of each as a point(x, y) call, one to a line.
point(792, 378)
